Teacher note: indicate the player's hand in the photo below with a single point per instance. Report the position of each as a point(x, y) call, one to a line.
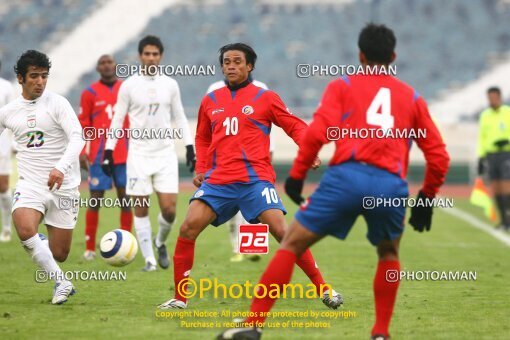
point(84, 162)
point(482, 166)
point(421, 214)
point(55, 180)
point(107, 165)
point(198, 179)
point(316, 163)
point(293, 188)
point(501, 143)
point(190, 158)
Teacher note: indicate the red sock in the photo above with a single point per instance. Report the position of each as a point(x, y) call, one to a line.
point(279, 271)
point(91, 219)
point(183, 262)
point(385, 294)
point(126, 220)
point(308, 265)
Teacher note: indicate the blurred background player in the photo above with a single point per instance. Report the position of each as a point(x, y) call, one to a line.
point(234, 172)
point(494, 152)
point(360, 168)
point(151, 100)
point(238, 219)
point(6, 149)
point(49, 138)
point(96, 112)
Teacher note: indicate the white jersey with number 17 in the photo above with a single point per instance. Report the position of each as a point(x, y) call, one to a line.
point(150, 102)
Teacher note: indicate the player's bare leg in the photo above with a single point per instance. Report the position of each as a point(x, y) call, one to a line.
point(144, 231)
point(294, 244)
point(26, 222)
point(91, 224)
point(59, 242)
point(166, 219)
point(5, 208)
point(277, 226)
point(199, 216)
point(386, 284)
point(126, 215)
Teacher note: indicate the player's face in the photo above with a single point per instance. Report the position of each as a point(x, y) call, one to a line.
point(150, 55)
point(494, 99)
point(106, 67)
point(235, 69)
point(35, 82)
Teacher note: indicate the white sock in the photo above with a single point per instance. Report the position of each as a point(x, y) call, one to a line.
point(43, 258)
point(144, 235)
point(163, 231)
point(235, 222)
point(5, 210)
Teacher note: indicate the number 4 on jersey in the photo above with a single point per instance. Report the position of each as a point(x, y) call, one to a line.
point(379, 111)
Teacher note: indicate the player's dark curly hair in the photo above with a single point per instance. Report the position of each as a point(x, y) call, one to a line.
point(494, 89)
point(249, 53)
point(150, 40)
point(31, 58)
point(377, 42)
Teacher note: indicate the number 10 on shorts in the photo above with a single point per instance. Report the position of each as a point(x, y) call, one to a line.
point(253, 239)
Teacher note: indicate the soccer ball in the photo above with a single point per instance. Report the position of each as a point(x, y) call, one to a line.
point(118, 247)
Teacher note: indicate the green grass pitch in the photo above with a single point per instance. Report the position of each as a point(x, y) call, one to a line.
point(126, 309)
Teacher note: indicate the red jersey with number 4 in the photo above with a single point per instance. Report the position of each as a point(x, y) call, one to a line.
point(232, 138)
point(360, 104)
point(96, 110)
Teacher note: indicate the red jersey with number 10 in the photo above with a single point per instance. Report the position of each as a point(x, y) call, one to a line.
point(232, 138)
point(96, 111)
point(352, 106)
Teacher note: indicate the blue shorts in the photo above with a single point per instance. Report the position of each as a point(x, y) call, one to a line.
point(342, 196)
point(227, 199)
point(99, 181)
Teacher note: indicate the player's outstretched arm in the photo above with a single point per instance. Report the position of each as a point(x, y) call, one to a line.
point(293, 126)
point(182, 123)
point(315, 135)
point(85, 118)
point(67, 119)
point(119, 114)
point(203, 139)
point(437, 163)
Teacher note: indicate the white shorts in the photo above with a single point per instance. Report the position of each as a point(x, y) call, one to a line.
point(5, 165)
point(60, 208)
point(146, 174)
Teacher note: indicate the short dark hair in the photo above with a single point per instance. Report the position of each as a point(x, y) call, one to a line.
point(249, 53)
point(494, 89)
point(150, 40)
point(31, 58)
point(377, 42)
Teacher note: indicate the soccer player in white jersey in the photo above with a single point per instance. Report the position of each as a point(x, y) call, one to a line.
point(238, 218)
point(151, 100)
point(6, 147)
point(49, 138)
